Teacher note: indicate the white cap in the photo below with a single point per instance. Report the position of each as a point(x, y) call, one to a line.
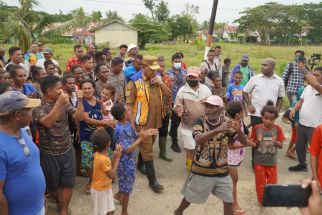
point(131, 46)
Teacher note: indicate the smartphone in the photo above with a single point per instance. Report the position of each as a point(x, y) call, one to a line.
point(286, 195)
point(299, 59)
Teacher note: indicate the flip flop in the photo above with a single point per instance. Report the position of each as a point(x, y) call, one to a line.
point(239, 212)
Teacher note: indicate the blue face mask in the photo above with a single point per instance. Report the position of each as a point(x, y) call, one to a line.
point(177, 65)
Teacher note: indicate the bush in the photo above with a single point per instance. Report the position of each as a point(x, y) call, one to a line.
point(57, 40)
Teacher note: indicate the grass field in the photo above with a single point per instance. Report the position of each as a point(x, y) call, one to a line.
point(194, 54)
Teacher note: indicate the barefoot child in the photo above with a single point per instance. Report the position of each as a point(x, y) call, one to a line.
point(268, 137)
point(236, 151)
point(104, 172)
point(126, 136)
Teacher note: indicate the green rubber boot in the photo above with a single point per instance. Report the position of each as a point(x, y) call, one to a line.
point(163, 149)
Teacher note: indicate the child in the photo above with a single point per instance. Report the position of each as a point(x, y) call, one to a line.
point(125, 136)
point(236, 151)
point(104, 172)
point(107, 95)
point(218, 90)
point(268, 137)
point(235, 90)
point(294, 123)
point(225, 72)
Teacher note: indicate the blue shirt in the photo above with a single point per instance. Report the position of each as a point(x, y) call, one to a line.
point(129, 71)
point(178, 80)
point(235, 92)
point(24, 186)
point(125, 136)
point(94, 112)
point(28, 89)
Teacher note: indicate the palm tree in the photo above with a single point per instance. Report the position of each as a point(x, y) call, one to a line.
point(20, 24)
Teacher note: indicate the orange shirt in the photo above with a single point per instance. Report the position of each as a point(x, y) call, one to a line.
point(315, 149)
point(102, 164)
point(72, 61)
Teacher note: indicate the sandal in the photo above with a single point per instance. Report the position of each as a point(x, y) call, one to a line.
point(290, 154)
point(239, 212)
point(87, 189)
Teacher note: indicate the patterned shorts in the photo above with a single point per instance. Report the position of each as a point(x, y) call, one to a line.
point(126, 177)
point(87, 154)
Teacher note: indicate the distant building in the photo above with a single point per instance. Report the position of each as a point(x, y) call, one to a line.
point(115, 33)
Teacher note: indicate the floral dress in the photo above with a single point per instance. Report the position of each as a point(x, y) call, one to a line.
point(125, 135)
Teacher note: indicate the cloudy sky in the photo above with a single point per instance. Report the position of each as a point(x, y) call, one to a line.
point(228, 10)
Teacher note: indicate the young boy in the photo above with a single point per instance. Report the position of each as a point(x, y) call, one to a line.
point(218, 90)
point(225, 72)
point(235, 90)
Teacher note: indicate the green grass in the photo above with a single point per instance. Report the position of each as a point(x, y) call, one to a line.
point(194, 54)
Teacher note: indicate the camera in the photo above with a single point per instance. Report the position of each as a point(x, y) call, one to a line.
point(314, 60)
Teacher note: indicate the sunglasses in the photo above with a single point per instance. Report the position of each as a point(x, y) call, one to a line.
point(25, 148)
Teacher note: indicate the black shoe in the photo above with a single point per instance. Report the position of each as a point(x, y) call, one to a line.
point(153, 183)
point(176, 148)
point(298, 168)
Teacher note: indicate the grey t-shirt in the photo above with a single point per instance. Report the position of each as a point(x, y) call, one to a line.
point(266, 150)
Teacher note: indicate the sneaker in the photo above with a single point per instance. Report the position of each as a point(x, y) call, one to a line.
point(298, 168)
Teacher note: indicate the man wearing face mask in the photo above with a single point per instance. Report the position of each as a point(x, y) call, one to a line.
point(144, 94)
point(188, 105)
point(177, 75)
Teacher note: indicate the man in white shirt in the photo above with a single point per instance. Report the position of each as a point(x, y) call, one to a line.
point(48, 53)
point(310, 107)
point(261, 88)
point(16, 58)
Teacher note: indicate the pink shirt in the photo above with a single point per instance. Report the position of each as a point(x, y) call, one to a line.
point(108, 104)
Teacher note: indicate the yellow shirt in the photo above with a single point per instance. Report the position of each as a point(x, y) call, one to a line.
point(102, 164)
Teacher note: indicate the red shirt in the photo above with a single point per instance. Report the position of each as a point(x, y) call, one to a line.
point(72, 61)
point(315, 149)
point(167, 80)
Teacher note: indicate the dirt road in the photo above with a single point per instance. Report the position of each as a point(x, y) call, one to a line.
point(172, 176)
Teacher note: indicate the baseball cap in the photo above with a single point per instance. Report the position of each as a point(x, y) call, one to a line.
point(13, 101)
point(245, 57)
point(151, 62)
point(193, 71)
point(131, 46)
point(215, 100)
point(47, 51)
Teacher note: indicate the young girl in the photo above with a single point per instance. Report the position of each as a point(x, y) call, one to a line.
point(236, 151)
point(104, 172)
point(125, 136)
point(268, 137)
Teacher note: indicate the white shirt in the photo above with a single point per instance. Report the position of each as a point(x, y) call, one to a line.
point(41, 62)
point(311, 110)
point(263, 88)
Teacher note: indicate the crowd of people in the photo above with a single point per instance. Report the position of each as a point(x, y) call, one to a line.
point(101, 116)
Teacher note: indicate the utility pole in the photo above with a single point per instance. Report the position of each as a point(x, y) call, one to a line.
point(211, 28)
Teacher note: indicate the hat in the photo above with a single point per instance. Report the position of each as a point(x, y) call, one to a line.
point(40, 44)
point(151, 62)
point(48, 51)
point(215, 100)
point(12, 101)
point(245, 57)
point(131, 46)
point(193, 71)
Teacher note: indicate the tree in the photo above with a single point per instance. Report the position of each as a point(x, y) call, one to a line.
point(150, 5)
point(21, 23)
point(96, 16)
point(162, 11)
point(190, 10)
point(111, 15)
point(180, 25)
point(151, 31)
point(312, 16)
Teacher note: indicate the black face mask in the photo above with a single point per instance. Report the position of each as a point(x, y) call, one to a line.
point(192, 83)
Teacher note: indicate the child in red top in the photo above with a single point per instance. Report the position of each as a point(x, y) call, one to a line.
point(316, 155)
point(268, 137)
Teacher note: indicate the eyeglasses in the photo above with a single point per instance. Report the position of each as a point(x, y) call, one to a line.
point(26, 150)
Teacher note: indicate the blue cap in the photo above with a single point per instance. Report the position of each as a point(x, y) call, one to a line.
point(13, 101)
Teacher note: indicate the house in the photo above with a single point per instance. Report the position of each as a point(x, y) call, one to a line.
point(84, 35)
point(115, 33)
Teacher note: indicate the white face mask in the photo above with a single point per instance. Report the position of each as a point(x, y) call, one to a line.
point(177, 65)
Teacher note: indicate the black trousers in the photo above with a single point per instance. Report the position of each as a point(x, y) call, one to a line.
point(163, 131)
point(303, 138)
point(175, 122)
